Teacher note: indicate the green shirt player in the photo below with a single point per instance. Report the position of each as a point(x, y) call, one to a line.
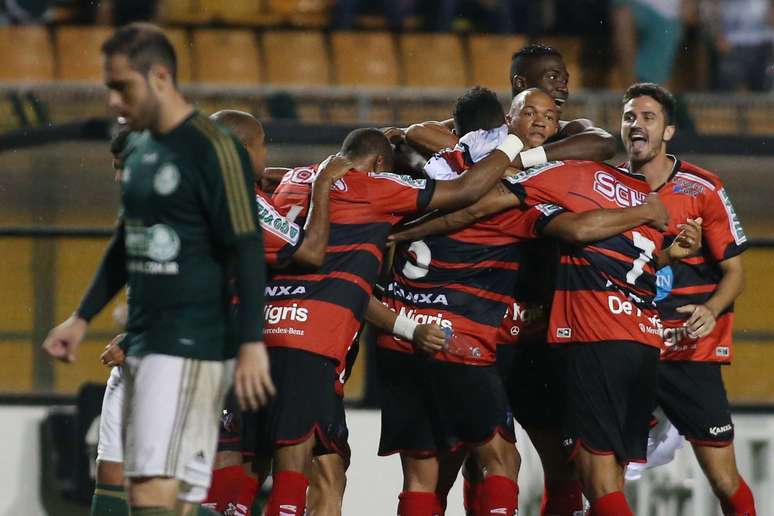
point(188, 224)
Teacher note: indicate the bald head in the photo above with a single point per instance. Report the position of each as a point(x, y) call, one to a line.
point(249, 131)
point(245, 126)
point(533, 116)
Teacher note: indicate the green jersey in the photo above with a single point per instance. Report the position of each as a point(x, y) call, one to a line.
point(187, 201)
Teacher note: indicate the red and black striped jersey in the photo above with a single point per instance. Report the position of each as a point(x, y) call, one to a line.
point(692, 192)
point(463, 281)
point(604, 290)
point(321, 312)
point(526, 320)
point(281, 237)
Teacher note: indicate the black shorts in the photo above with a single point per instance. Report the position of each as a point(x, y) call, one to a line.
point(339, 435)
point(430, 407)
point(306, 403)
point(610, 394)
point(693, 397)
point(230, 434)
point(529, 373)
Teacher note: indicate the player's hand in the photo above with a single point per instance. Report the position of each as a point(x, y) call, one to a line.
point(659, 216)
point(63, 341)
point(687, 243)
point(252, 379)
point(396, 135)
point(701, 321)
point(113, 354)
point(334, 167)
point(429, 338)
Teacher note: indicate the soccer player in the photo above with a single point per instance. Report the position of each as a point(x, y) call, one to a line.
point(526, 367)
point(311, 319)
point(285, 242)
point(187, 210)
point(697, 295)
point(464, 279)
point(603, 316)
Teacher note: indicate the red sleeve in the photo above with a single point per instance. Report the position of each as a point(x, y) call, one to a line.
point(399, 194)
point(722, 231)
point(528, 224)
point(281, 238)
point(547, 183)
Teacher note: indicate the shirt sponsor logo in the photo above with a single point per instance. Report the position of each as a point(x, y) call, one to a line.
point(166, 180)
point(723, 351)
point(274, 314)
point(149, 158)
point(717, 430)
point(618, 306)
point(426, 318)
point(564, 333)
point(158, 242)
point(674, 336)
point(524, 175)
point(274, 223)
point(665, 278)
point(401, 179)
point(285, 290)
point(733, 220)
point(614, 190)
point(163, 243)
point(417, 297)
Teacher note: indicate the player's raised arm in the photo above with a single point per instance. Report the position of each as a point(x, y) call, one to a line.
point(311, 252)
point(62, 342)
point(430, 137)
point(594, 225)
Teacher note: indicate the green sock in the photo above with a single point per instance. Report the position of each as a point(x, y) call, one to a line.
point(152, 511)
point(204, 511)
point(109, 500)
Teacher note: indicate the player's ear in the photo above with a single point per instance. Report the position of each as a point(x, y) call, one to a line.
point(669, 132)
point(518, 83)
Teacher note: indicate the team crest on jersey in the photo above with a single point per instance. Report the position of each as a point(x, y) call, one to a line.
point(166, 179)
point(401, 179)
point(685, 187)
point(733, 219)
point(163, 243)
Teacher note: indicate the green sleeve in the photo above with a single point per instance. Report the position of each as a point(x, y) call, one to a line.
point(233, 216)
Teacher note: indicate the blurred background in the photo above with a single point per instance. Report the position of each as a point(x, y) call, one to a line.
point(312, 70)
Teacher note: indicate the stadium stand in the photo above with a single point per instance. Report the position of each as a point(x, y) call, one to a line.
point(78, 54)
point(296, 58)
point(26, 54)
point(489, 56)
point(225, 56)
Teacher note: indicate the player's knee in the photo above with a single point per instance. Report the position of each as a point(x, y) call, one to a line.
point(152, 492)
point(724, 482)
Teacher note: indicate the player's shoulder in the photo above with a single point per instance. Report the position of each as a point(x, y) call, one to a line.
point(304, 175)
point(688, 172)
point(206, 139)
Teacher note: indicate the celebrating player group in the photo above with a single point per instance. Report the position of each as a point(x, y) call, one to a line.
point(508, 270)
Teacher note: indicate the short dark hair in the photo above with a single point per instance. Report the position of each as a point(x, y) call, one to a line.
point(660, 94)
point(144, 44)
point(366, 142)
point(528, 54)
point(477, 108)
